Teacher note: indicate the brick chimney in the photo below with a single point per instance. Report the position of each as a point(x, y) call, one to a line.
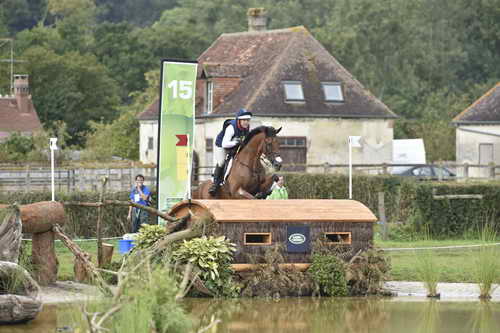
point(21, 92)
point(257, 19)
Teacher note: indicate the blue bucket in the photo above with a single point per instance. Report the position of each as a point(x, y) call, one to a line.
point(124, 245)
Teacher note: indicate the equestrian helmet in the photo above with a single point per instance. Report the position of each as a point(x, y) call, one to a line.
point(243, 114)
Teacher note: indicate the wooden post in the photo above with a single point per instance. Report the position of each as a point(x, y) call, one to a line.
point(99, 218)
point(44, 257)
point(107, 253)
point(492, 170)
point(466, 170)
point(28, 178)
point(381, 214)
point(385, 170)
point(121, 178)
point(326, 167)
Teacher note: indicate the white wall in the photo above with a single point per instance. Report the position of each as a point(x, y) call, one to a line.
point(147, 129)
point(467, 146)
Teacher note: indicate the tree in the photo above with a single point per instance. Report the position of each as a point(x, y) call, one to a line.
point(71, 87)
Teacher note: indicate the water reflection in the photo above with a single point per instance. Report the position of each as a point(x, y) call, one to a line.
point(357, 315)
point(351, 315)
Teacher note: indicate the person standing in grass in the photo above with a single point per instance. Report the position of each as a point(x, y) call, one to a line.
point(279, 191)
point(140, 194)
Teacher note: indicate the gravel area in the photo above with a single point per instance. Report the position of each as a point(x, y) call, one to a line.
point(448, 291)
point(68, 291)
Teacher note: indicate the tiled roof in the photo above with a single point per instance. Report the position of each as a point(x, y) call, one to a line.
point(12, 120)
point(263, 60)
point(484, 110)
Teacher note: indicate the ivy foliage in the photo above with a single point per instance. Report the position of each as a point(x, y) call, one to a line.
point(329, 274)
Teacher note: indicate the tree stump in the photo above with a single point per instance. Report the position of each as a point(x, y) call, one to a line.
point(44, 258)
point(19, 294)
point(107, 253)
point(10, 234)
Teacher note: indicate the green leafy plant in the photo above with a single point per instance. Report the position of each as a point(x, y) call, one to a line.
point(148, 235)
point(329, 274)
point(213, 257)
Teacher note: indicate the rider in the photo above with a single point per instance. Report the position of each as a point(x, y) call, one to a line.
point(233, 133)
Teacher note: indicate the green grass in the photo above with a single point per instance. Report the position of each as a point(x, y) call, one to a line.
point(66, 257)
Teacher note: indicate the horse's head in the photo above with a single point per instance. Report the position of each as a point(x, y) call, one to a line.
point(272, 148)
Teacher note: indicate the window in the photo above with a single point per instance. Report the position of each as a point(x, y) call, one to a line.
point(257, 238)
point(293, 150)
point(150, 143)
point(209, 144)
point(293, 91)
point(333, 91)
point(209, 95)
point(338, 237)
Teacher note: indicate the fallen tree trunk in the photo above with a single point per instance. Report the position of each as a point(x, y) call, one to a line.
point(41, 216)
point(10, 234)
point(19, 294)
point(84, 258)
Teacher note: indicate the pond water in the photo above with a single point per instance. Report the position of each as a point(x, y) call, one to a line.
point(356, 315)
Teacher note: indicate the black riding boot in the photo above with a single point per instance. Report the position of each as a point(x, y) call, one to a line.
point(218, 174)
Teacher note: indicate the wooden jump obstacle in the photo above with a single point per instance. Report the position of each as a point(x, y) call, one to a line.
point(254, 225)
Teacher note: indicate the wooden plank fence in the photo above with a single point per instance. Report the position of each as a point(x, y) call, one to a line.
point(35, 178)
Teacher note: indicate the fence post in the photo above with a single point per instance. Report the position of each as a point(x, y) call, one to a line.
point(385, 170)
point(492, 170)
point(381, 214)
point(28, 178)
point(326, 167)
point(466, 170)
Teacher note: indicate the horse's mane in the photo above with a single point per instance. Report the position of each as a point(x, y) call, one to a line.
point(268, 130)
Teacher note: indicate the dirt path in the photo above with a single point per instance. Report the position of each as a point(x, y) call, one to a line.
point(68, 291)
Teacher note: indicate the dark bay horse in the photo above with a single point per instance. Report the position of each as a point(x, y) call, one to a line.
point(247, 176)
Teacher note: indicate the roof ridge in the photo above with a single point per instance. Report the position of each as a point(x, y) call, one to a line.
point(269, 74)
point(273, 31)
point(476, 102)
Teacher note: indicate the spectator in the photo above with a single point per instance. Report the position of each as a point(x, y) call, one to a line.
point(279, 191)
point(139, 194)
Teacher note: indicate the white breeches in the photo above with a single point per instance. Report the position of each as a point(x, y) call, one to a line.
point(219, 156)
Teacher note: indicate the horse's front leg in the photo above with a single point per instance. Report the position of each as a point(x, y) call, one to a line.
point(244, 194)
point(265, 187)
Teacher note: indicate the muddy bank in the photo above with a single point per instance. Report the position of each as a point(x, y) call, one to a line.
point(68, 292)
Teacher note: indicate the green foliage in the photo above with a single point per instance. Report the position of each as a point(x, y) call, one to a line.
point(328, 272)
point(148, 235)
point(486, 265)
point(213, 256)
point(16, 147)
point(81, 221)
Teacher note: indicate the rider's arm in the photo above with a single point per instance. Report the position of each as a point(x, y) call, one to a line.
point(227, 141)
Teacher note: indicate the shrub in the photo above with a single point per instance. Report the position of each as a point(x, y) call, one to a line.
point(328, 272)
point(148, 235)
point(213, 257)
point(367, 271)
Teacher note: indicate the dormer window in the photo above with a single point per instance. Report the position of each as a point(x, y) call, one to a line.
point(209, 96)
point(293, 91)
point(333, 91)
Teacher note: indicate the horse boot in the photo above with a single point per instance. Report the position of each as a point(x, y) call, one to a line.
point(218, 174)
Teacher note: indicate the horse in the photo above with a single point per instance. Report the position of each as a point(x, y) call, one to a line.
point(247, 178)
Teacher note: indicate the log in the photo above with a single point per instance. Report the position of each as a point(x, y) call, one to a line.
point(20, 300)
point(80, 269)
point(107, 253)
point(84, 257)
point(42, 216)
point(44, 258)
point(10, 234)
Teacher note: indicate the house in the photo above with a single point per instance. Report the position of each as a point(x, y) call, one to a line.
point(478, 133)
point(287, 79)
point(17, 113)
point(294, 226)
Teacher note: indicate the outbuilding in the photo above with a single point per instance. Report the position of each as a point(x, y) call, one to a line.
point(256, 225)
